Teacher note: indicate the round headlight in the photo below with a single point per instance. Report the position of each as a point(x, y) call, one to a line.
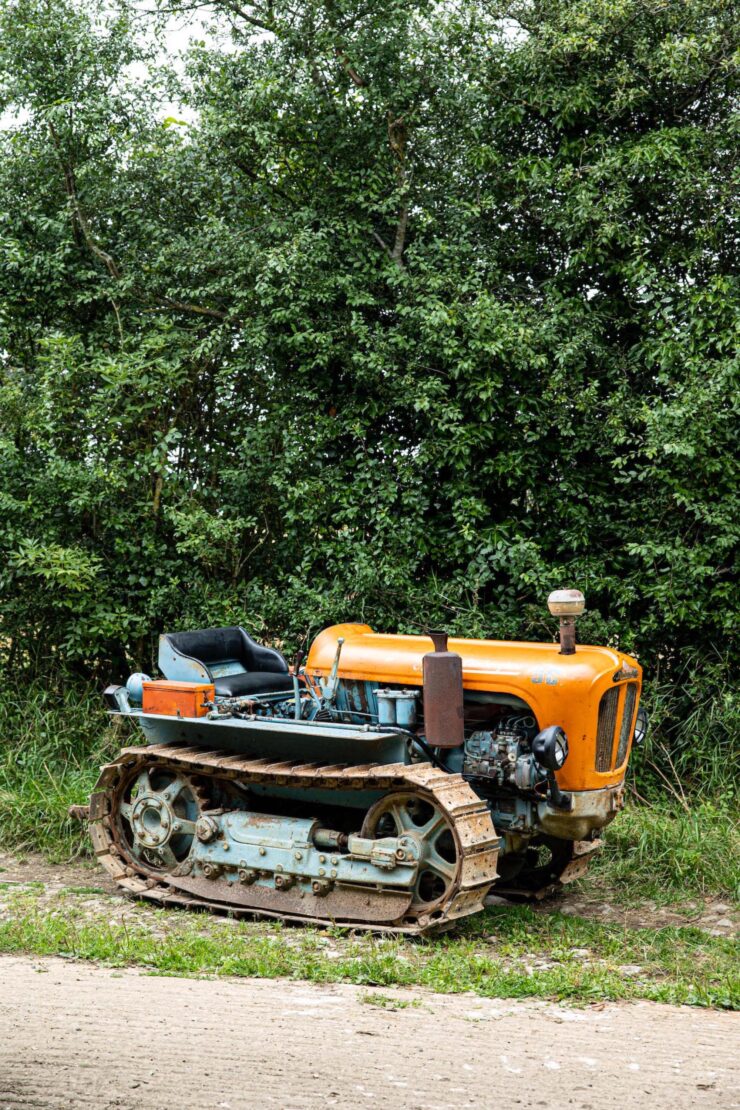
point(641, 726)
point(550, 748)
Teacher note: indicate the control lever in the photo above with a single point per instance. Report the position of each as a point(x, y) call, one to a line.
point(298, 659)
point(330, 690)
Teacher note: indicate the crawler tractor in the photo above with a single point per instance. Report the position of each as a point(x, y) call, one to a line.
point(390, 784)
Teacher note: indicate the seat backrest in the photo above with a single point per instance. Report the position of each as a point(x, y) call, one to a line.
point(209, 652)
point(209, 645)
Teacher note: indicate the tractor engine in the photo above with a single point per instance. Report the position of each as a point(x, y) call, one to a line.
point(503, 758)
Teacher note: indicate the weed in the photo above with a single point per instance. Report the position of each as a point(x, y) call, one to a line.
point(52, 743)
point(666, 854)
point(386, 1002)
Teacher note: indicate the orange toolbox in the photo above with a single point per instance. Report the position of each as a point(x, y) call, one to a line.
point(176, 699)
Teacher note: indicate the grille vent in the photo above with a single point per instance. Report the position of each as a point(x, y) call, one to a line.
point(626, 730)
point(605, 730)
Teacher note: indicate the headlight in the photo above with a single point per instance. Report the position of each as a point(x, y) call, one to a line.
point(550, 748)
point(641, 726)
point(566, 603)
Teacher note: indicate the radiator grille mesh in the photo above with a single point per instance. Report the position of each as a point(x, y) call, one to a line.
point(626, 730)
point(605, 730)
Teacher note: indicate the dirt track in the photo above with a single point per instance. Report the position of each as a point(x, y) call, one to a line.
point(72, 1035)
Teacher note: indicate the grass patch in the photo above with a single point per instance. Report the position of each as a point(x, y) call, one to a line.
point(52, 743)
point(386, 1002)
point(666, 854)
point(506, 952)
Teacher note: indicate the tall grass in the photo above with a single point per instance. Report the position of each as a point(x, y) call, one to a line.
point(52, 742)
point(664, 852)
point(693, 745)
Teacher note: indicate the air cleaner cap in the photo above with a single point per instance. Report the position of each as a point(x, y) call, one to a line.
point(566, 603)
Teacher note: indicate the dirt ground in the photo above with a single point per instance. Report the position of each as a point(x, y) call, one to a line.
point(77, 1035)
point(712, 914)
point(73, 1035)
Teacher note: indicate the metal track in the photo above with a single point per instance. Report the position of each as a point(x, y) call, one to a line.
point(355, 907)
point(570, 862)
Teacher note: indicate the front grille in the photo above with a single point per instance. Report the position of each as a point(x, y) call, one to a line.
point(605, 730)
point(625, 731)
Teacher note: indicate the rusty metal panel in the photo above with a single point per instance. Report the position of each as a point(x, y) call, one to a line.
point(99, 806)
point(176, 699)
point(342, 903)
point(605, 730)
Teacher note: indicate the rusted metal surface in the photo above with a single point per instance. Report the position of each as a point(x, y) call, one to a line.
point(343, 904)
point(444, 714)
point(583, 850)
point(571, 862)
point(567, 635)
point(590, 811)
point(348, 904)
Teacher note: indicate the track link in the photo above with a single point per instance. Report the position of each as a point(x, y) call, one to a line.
point(355, 906)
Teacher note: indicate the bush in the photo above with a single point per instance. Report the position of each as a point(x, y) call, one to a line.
point(365, 339)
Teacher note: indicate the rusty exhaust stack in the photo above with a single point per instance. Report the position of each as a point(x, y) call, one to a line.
point(443, 695)
point(567, 604)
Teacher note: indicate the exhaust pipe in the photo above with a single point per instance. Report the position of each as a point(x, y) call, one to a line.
point(443, 695)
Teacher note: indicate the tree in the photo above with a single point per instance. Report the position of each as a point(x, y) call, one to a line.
point(430, 310)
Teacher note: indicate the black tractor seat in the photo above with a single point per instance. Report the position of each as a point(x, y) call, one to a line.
point(257, 682)
point(228, 657)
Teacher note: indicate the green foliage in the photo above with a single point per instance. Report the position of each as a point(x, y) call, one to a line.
point(413, 313)
point(666, 853)
point(52, 743)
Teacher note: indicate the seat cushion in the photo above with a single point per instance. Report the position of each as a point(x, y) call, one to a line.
point(255, 682)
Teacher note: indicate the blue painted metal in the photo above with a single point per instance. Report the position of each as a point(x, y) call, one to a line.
point(135, 687)
point(386, 707)
point(178, 667)
point(279, 738)
point(396, 707)
point(357, 699)
point(406, 709)
point(268, 846)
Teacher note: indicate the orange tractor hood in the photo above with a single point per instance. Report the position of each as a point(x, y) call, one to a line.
point(559, 689)
point(487, 664)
